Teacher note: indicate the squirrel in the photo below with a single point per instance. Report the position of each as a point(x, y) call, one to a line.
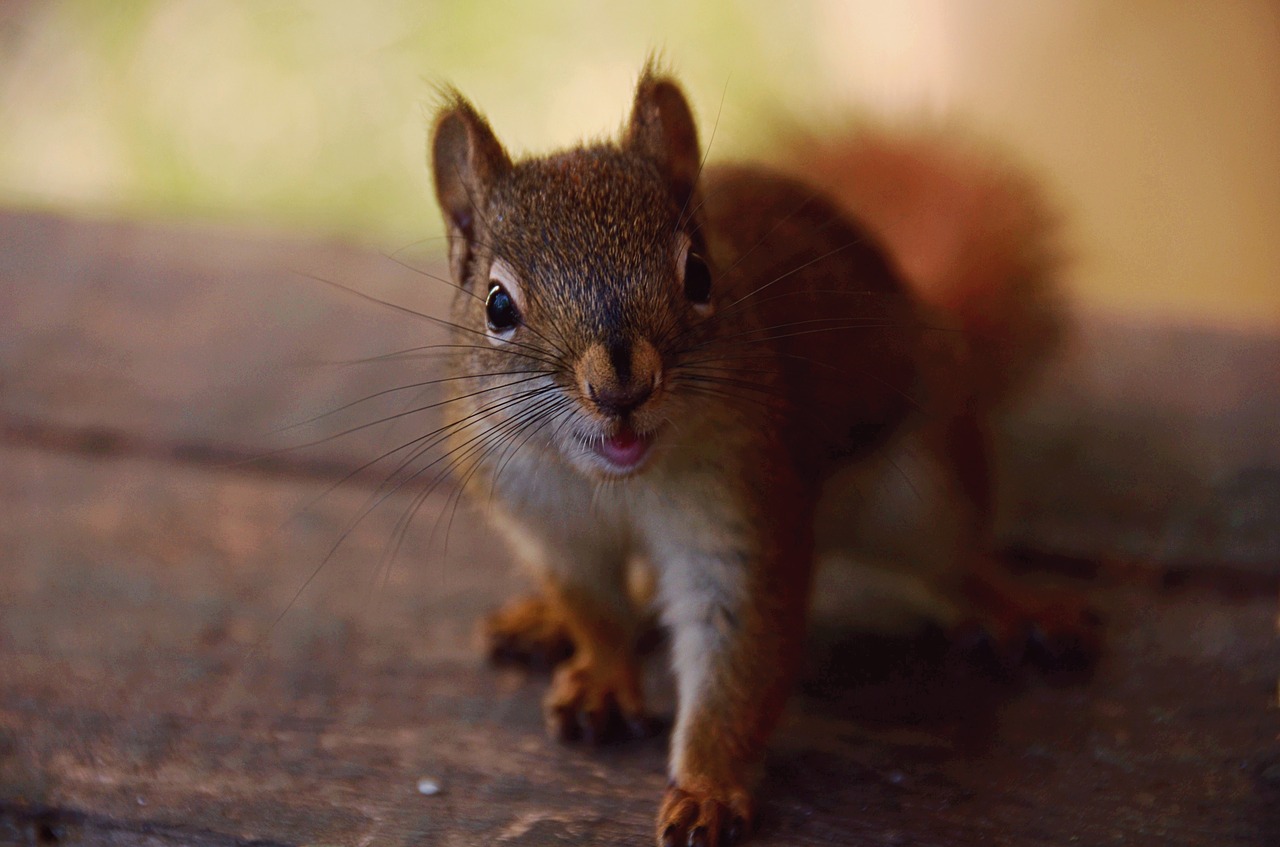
point(665, 365)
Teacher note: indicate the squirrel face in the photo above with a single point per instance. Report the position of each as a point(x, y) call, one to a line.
point(586, 275)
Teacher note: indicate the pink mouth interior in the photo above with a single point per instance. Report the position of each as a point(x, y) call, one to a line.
point(625, 448)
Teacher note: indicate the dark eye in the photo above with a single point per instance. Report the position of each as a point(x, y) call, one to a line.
point(697, 279)
point(500, 309)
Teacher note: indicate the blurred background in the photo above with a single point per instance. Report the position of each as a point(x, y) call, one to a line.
point(1156, 125)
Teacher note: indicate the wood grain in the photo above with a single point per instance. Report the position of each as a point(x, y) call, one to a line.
point(152, 694)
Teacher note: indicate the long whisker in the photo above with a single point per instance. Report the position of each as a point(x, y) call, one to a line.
point(480, 443)
point(695, 375)
point(723, 394)
point(439, 435)
point(703, 162)
point(392, 417)
point(820, 257)
point(387, 488)
point(483, 443)
point(533, 419)
point(764, 238)
point(394, 257)
point(424, 351)
point(840, 328)
point(396, 389)
point(759, 334)
point(413, 312)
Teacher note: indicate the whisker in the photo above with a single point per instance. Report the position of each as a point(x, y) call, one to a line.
point(721, 394)
point(820, 257)
point(703, 163)
point(472, 445)
point(533, 419)
point(762, 332)
point(781, 221)
point(771, 390)
point(387, 489)
point(413, 312)
point(798, 333)
point(394, 257)
point(423, 351)
point(457, 455)
point(440, 435)
point(566, 410)
point(386, 391)
point(392, 417)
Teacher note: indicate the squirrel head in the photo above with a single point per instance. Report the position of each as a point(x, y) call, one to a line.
point(581, 276)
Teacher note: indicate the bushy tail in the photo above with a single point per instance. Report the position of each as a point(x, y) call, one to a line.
point(971, 233)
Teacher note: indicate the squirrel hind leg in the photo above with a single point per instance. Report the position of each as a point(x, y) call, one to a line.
point(1015, 619)
point(1013, 622)
point(908, 545)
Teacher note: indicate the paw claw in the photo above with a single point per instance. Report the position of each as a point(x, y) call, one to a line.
point(703, 818)
point(595, 702)
point(1050, 628)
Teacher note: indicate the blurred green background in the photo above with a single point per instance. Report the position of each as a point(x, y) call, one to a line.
point(1154, 125)
point(313, 115)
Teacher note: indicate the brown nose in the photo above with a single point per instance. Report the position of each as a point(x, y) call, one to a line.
point(619, 401)
point(619, 376)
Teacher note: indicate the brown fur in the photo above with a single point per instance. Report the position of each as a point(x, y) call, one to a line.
point(810, 354)
point(973, 236)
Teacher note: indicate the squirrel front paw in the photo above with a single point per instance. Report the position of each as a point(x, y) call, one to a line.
point(597, 701)
point(704, 817)
point(527, 631)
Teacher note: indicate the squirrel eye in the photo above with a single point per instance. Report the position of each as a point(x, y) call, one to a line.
point(697, 279)
point(500, 309)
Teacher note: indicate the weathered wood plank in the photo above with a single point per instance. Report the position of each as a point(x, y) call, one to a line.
point(148, 695)
point(132, 699)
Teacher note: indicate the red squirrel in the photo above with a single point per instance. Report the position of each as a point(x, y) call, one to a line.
point(664, 365)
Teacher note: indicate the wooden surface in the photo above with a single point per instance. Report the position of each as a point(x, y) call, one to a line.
point(151, 693)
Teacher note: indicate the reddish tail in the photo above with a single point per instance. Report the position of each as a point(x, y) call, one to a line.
point(971, 233)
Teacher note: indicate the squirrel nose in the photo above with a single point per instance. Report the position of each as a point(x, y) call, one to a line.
point(620, 400)
point(619, 376)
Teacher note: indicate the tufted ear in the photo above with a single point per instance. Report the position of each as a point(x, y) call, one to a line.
point(466, 160)
point(662, 128)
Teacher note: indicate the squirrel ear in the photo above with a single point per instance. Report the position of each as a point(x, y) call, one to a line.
point(662, 128)
point(466, 159)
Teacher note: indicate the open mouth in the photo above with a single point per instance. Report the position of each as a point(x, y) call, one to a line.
point(625, 449)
